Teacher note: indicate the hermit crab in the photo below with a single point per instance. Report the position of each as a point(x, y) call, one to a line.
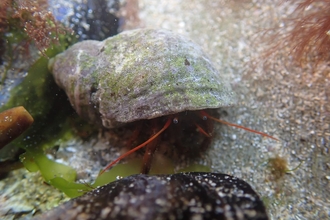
point(160, 81)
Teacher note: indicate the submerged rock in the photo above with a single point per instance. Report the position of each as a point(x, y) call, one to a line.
point(89, 19)
point(177, 196)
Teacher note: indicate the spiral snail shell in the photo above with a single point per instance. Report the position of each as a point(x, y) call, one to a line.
point(139, 74)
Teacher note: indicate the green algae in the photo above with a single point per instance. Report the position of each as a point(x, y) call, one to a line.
point(70, 188)
point(49, 169)
point(133, 166)
point(39, 94)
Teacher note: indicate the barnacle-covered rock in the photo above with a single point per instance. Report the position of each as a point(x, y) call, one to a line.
point(178, 196)
point(139, 74)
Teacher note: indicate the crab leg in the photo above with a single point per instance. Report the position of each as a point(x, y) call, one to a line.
point(167, 124)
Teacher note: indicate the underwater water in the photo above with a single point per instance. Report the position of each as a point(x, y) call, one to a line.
point(248, 43)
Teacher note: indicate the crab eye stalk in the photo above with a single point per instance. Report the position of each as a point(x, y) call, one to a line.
point(175, 120)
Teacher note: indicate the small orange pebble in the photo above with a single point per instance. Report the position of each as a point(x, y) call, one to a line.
point(13, 122)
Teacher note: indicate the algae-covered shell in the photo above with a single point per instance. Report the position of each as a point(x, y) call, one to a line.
point(139, 74)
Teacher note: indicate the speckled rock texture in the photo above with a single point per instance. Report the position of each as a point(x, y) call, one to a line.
point(179, 196)
point(139, 74)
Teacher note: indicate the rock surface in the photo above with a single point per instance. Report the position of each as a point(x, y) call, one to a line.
point(177, 196)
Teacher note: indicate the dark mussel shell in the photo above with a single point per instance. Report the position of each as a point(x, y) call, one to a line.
point(177, 196)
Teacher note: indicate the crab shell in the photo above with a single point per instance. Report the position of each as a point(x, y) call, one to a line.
point(139, 74)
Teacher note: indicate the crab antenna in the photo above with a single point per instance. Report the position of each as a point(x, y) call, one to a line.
point(201, 130)
point(237, 126)
point(167, 124)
